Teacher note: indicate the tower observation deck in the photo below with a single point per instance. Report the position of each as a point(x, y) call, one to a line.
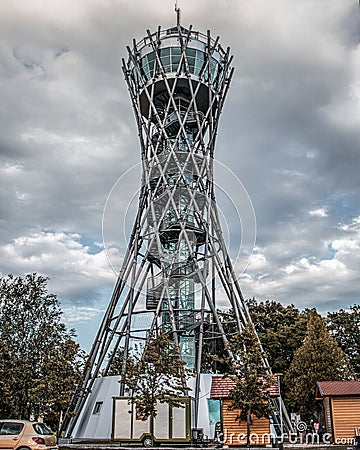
point(176, 267)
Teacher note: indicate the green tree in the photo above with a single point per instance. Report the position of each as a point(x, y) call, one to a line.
point(7, 380)
point(155, 375)
point(250, 394)
point(37, 352)
point(320, 358)
point(281, 331)
point(117, 362)
point(344, 326)
point(60, 374)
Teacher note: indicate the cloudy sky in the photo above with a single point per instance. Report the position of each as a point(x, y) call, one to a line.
point(290, 131)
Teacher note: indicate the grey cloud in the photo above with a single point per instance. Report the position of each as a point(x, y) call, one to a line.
point(289, 131)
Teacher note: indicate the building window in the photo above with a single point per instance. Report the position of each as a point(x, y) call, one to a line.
point(97, 407)
point(214, 406)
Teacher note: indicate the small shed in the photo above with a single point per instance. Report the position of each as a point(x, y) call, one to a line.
point(341, 401)
point(235, 432)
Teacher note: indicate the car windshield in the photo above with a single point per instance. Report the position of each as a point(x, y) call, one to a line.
point(41, 428)
point(11, 427)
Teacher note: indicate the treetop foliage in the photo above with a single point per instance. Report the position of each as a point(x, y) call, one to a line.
point(155, 374)
point(281, 330)
point(320, 358)
point(40, 362)
point(344, 326)
point(250, 394)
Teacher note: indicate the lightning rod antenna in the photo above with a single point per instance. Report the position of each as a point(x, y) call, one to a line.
point(178, 13)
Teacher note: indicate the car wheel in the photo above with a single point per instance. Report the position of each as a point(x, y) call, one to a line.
point(23, 448)
point(148, 442)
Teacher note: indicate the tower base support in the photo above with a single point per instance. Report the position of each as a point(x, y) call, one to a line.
point(108, 418)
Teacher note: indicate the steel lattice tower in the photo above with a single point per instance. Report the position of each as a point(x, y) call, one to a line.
point(176, 259)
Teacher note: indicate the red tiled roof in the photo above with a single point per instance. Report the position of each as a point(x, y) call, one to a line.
point(221, 386)
point(334, 388)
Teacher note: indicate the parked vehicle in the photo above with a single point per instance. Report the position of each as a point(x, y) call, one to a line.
point(26, 435)
point(172, 425)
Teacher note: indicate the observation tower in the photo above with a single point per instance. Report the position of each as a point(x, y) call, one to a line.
point(177, 266)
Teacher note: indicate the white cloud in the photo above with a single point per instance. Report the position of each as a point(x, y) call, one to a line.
point(74, 269)
point(258, 262)
point(80, 314)
point(310, 281)
point(319, 212)
point(347, 247)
